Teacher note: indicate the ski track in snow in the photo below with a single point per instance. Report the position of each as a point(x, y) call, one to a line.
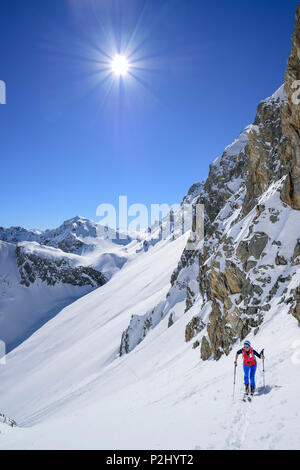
point(239, 426)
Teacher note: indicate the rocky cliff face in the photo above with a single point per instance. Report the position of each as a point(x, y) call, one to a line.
point(33, 267)
point(291, 122)
point(265, 143)
point(248, 263)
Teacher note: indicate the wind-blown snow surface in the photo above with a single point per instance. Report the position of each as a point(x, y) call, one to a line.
point(67, 387)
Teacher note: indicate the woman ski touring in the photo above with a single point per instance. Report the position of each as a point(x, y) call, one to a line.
point(250, 365)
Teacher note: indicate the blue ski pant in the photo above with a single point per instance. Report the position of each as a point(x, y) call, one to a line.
point(250, 370)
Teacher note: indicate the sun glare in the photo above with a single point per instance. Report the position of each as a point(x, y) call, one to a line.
point(120, 65)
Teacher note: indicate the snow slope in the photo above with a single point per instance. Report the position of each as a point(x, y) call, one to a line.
point(24, 308)
point(84, 338)
point(158, 396)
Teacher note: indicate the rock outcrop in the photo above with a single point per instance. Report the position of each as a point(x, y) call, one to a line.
point(291, 122)
point(10, 422)
point(264, 142)
point(193, 328)
point(53, 271)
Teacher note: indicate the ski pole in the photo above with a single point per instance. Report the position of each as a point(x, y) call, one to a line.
point(262, 353)
point(234, 375)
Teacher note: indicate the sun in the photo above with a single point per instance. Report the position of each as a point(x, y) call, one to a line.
point(120, 65)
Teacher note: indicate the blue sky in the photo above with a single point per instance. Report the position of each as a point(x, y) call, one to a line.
point(72, 139)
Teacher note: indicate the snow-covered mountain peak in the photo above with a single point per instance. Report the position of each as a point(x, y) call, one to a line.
point(277, 98)
point(237, 146)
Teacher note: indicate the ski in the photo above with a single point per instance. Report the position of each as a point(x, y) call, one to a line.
point(246, 398)
point(246, 393)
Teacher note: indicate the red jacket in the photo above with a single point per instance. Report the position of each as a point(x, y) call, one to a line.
point(248, 357)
